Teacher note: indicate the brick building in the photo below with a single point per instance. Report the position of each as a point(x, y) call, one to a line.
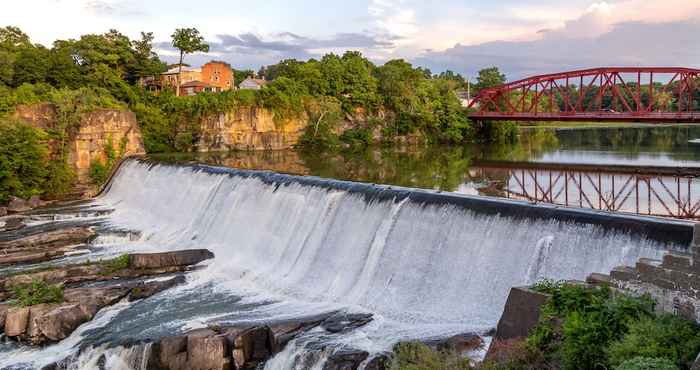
point(213, 77)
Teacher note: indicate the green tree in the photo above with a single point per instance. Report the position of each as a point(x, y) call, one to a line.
point(188, 41)
point(23, 160)
point(489, 77)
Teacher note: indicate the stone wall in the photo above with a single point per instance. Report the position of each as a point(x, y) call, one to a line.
point(249, 128)
point(96, 129)
point(673, 282)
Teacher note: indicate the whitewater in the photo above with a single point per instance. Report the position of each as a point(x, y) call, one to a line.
point(292, 247)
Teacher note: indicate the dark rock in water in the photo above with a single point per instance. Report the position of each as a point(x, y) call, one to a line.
point(342, 322)
point(17, 205)
point(169, 259)
point(3, 211)
point(147, 289)
point(13, 223)
point(460, 343)
point(207, 349)
point(381, 361)
point(345, 359)
point(252, 347)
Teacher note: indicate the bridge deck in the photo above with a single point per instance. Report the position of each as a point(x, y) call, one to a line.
point(655, 117)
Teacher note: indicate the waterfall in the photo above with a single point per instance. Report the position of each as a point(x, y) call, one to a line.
point(412, 262)
point(426, 264)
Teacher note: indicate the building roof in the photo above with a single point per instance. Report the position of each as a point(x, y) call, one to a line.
point(257, 81)
point(174, 70)
point(196, 84)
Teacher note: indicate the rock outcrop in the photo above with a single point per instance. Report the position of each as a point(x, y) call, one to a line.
point(44, 246)
point(51, 322)
point(249, 128)
point(248, 347)
point(104, 271)
point(95, 131)
point(168, 259)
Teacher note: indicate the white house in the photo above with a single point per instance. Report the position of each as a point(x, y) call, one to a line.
point(251, 83)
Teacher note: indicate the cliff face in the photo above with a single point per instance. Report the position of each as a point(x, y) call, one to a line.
point(95, 131)
point(248, 128)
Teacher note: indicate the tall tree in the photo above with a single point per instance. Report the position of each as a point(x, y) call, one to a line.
point(489, 77)
point(188, 41)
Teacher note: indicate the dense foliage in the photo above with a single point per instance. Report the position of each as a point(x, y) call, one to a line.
point(346, 100)
point(37, 292)
point(23, 160)
point(595, 328)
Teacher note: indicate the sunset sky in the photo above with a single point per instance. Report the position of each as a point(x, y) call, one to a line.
point(520, 37)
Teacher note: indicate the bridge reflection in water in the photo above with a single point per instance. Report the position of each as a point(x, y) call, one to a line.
point(656, 191)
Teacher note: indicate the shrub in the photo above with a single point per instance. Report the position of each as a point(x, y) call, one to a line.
point(357, 137)
point(646, 363)
point(98, 172)
point(578, 324)
point(418, 356)
point(666, 336)
point(116, 264)
point(514, 354)
point(37, 292)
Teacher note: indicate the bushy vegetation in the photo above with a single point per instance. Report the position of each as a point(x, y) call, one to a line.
point(345, 99)
point(646, 363)
point(581, 328)
point(596, 328)
point(115, 264)
point(23, 160)
point(418, 356)
point(37, 292)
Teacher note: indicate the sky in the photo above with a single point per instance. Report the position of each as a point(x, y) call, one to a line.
point(521, 37)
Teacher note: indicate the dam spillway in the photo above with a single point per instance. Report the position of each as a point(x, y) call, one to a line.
point(426, 264)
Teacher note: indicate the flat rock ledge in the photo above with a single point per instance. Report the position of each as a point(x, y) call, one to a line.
point(52, 322)
point(44, 246)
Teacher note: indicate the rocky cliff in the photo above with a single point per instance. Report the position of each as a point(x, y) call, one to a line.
point(249, 128)
point(95, 131)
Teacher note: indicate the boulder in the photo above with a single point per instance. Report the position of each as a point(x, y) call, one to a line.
point(168, 259)
point(35, 314)
point(12, 223)
point(460, 343)
point(3, 315)
point(34, 201)
point(170, 352)
point(380, 361)
point(251, 347)
point(147, 289)
point(17, 205)
point(345, 359)
point(60, 322)
point(208, 353)
point(342, 322)
point(3, 211)
point(16, 321)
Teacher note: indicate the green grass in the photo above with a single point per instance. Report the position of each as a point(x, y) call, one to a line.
point(115, 265)
point(37, 292)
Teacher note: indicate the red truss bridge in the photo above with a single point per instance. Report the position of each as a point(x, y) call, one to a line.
point(623, 94)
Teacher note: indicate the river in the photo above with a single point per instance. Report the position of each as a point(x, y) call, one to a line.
point(291, 246)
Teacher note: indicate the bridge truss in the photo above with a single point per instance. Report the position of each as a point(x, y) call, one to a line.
point(662, 193)
point(601, 94)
